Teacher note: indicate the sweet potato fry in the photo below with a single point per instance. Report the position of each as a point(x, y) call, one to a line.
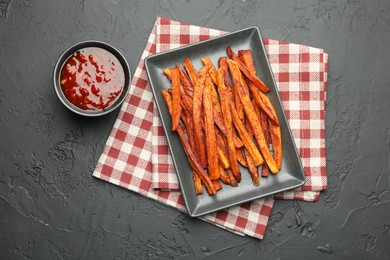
point(222, 152)
point(191, 72)
point(187, 149)
point(264, 170)
point(237, 141)
point(256, 125)
point(240, 158)
point(197, 116)
point(197, 183)
point(253, 170)
point(243, 84)
point(248, 73)
point(211, 140)
point(168, 73)
point(233, 181)
point(224, 176)
point(212, 71)
point(217, 109)
point(222, 63)
point(168, 100)
point(217, 184)
point(276, 139)
point(263, 120)
point(176, 106)
point(214, 98)
point(231, 93)
point(267, 103)
point(264, 125)
point(259, 99)
point(246, 57)
point(237, 100)
point(228, 123)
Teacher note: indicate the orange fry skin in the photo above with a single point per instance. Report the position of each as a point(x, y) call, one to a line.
point(265, 125)
point(197, 183)
point(264, 170)
point(168, 100)
point(246, 57)
point(191, 72)
point(276, 139)
point(211, 140)
point(176, 97)
point(256, 125)
point(187, 121)
point(237, 141)
point(253, 170)
point(223, 175)
point(233, 181)
point(222, 63)
point(212, 71)
point(168, 73)
point(217, 185)
point(240, 158)
point(248, 73)
point(214, 97)
point(222, 152)
point(237, 100)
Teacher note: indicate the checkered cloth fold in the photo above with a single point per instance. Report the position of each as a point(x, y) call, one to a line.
point(136, 155)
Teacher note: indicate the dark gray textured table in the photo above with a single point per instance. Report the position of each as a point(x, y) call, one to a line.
point(51, 206)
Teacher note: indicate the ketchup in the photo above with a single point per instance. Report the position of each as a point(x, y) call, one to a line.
point(92, 79)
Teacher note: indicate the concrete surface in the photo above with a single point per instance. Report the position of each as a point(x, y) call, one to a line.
point(51, 206)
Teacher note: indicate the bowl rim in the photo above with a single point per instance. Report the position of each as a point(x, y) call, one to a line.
point(64, 57)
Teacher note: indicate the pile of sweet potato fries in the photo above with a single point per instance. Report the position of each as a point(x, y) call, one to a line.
point(221, 124)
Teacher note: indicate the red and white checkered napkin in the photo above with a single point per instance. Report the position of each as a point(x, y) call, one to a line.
point(136, 156)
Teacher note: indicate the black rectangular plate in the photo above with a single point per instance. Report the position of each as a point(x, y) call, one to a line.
point(291, 175)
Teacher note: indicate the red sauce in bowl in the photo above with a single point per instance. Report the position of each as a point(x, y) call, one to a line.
point(92, 79)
